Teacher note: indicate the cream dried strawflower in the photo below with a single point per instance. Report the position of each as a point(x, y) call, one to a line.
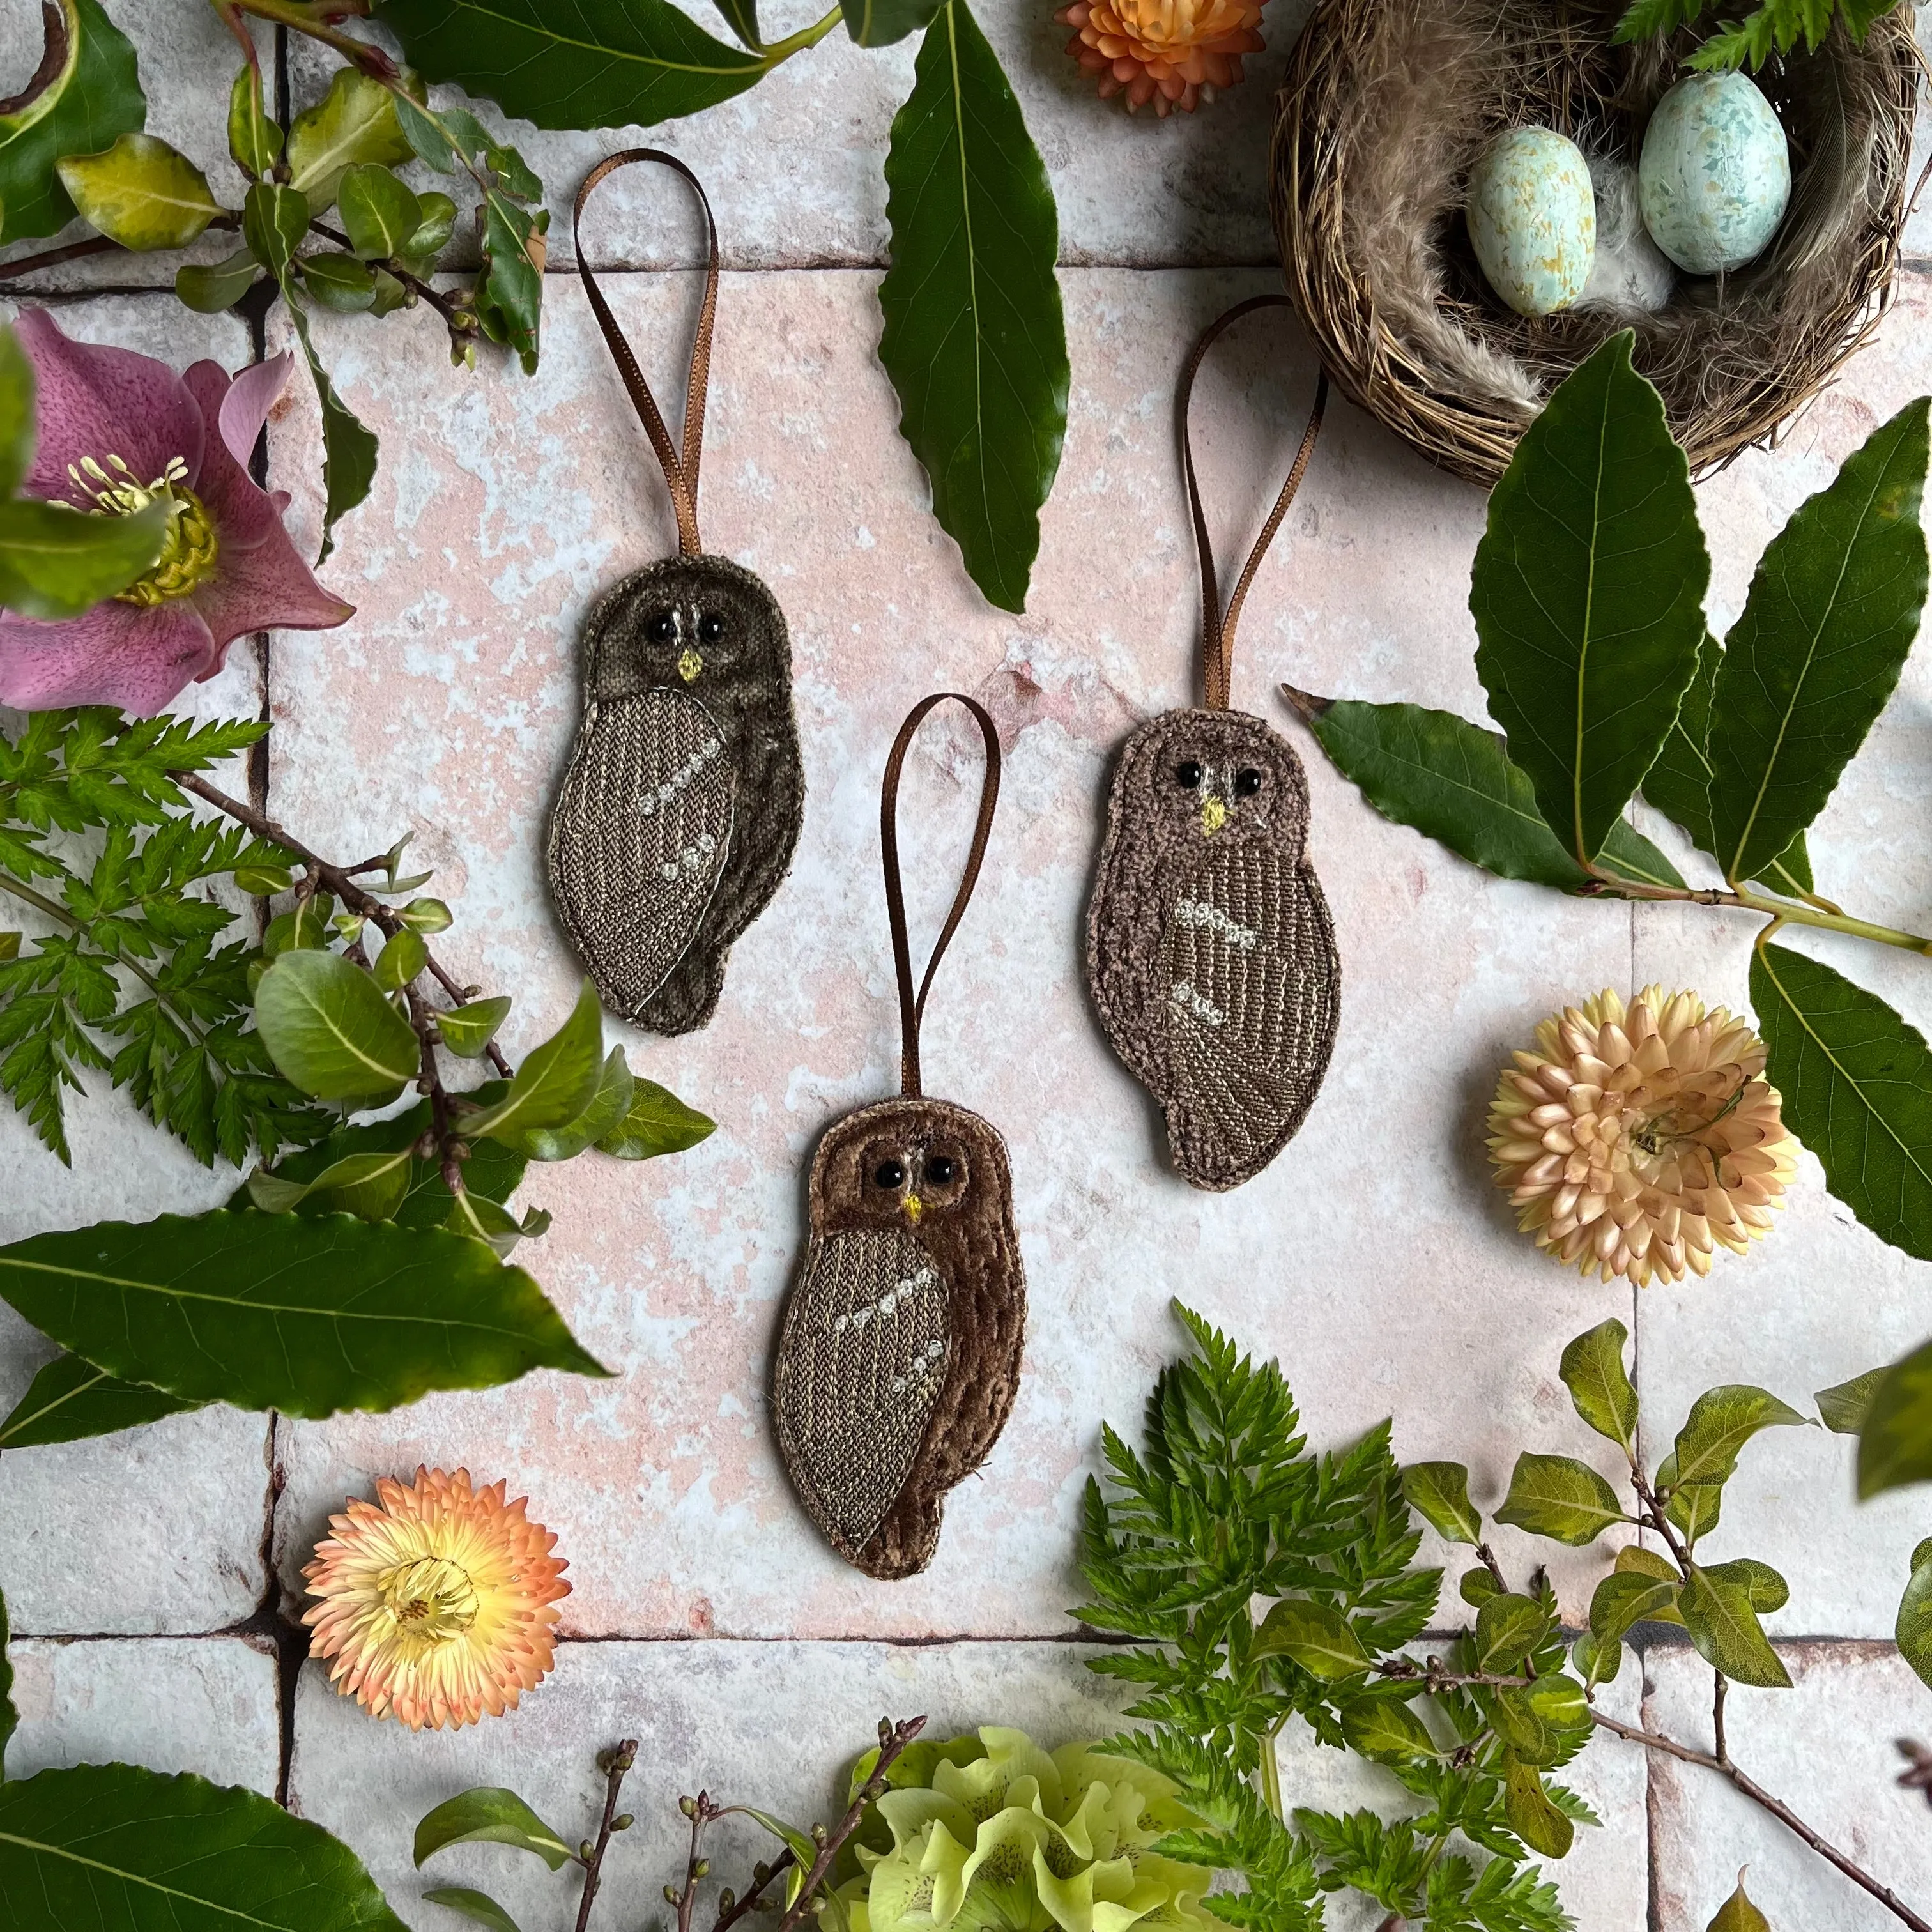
point(437, 1605)
point(1637, 1141)
point(1173, 52)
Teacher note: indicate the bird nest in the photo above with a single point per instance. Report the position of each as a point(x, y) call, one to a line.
point(1388, 104)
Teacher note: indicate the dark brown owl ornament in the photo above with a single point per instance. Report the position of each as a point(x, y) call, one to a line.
point(682, 802)
point(1210, 952)
point(900, 1353)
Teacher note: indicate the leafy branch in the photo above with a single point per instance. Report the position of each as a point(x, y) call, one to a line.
point(1776, 25)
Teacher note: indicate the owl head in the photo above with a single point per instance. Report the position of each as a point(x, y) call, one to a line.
point(1200, 779)
point(700, 624)
point(919, 1164)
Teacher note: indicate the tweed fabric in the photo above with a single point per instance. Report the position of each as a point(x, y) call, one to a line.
point(680, 807)
point(872, 1460)
point(1210, 955)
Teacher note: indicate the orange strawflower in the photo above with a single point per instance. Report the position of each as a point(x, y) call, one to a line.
point(1173, 52)
point(437, 1606)
point(1638, 1141)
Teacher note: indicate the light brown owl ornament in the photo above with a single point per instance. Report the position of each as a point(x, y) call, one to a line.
point(679, 810)
point(1210, 954)
point(900, 1353)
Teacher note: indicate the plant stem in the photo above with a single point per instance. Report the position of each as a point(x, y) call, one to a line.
point(1435, 1679)
point(461, 321)
point(1743, 899)
point(1271, 1772)
point(729, 1914)
point(76, 251)
point(1782, 1812)
point(893, 1738)
point(1723, 1751)
point(315, 21)
point(780, 51)
point(615, 1765)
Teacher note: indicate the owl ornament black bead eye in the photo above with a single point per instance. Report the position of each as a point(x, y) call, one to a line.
point(1210, 954)
point(899, 1355)
point(681, 804)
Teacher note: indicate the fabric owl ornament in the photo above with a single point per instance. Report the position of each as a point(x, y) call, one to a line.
point(1210, 954)
point(899, 1356)
point(682, 799)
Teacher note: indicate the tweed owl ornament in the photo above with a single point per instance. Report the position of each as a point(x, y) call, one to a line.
point(1210, 954)
point(899, 1356)
point(682, 801)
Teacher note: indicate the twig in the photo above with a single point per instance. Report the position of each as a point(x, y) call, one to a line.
point(1435, 1677)
point(1723, 1751)
point(317, 22)
point(460, 320)
point(730, 1910)
point(614, 1764)
point(1782, 1812)
point(1488, 1558)
point(893, 1738)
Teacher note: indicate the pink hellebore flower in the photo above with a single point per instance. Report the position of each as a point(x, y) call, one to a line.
point(116, 431)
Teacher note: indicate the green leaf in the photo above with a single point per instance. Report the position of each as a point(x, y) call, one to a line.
point(489, 1815)
point(556, 1083)
point(509, 298)
point(1721, 1421)
point(1763, 1587)
point(56, 562)
point(400, 960)
point(1914, 1630)
point(658, 1123)
point(381, 214)
point(254, 138)
point(742, 17)
point(208, 289)
point(1857, 1085)
point(328, 1026)
point(17, 413)
point(1738, 1914)
point(1723, 1625)
point(482, 1220)
point(438, 222)
point(477, 1905)
point(1541, 1723)
point(350, 447)
point(308, 1315)
point(1626, 1597)
point(1593, 1371)
point(1453, 781)
point(370, 1186)
point(1588, 593)
point(1694, 1508)
point(275, 218)
point(878, 23)
point(86, 92)
point(604, 63)
point(426, 916)
point(10, 1718)
point(1439, 1492)
point(1508, 1628)
point(339, 282)
point(1831, 613)
point(1895, 1444)
point(610, 1103)
point(1599, 1660)
point(70, 1399)
point(1316, 1637)
point(1678, 782)
point(1477, 1587)
point(975, 341)
point(140, 192)
point(353, 125)
point(1560, 1498)
point(468, 1030)
point(1633, 1556)
point(114, 1847)
point(1385, 1728)
point(1532, 1816)
point(1843, 1408)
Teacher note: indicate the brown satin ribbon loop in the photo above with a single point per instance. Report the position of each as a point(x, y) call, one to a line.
point(1217, 628)
point(912, 1007)
point(680, 470)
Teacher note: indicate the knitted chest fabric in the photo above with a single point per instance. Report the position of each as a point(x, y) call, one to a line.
point(682, 799)
point(898, 1356)
point(1210, 953)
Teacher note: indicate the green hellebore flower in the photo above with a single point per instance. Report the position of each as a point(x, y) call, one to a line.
point(991, 1834)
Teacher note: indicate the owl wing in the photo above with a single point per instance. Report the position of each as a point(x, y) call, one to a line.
point(861, 1361)
point(639, 837)
point(1251, 981)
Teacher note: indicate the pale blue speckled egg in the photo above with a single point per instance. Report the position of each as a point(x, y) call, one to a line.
point(1533, 219)
point(1715, 176)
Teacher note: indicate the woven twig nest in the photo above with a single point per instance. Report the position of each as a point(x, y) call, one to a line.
point(1387, 105)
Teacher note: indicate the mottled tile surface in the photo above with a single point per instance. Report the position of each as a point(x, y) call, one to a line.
point(1375, 1257)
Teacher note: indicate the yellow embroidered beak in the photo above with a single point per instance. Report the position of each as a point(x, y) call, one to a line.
point(914, 1207)
point(1214, 815)
point(689, 665)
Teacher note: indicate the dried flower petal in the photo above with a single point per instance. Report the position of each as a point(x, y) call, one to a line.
point(1636, 1141)
point(438, 1605)
point(1172, 52)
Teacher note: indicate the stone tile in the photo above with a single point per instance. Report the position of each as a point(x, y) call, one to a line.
point(202, 1704)
point(773, 1725)
point(1825, 1748)
point(172, 1535)
point(188, 60)
point(795, 167)
point(1370, 1258)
